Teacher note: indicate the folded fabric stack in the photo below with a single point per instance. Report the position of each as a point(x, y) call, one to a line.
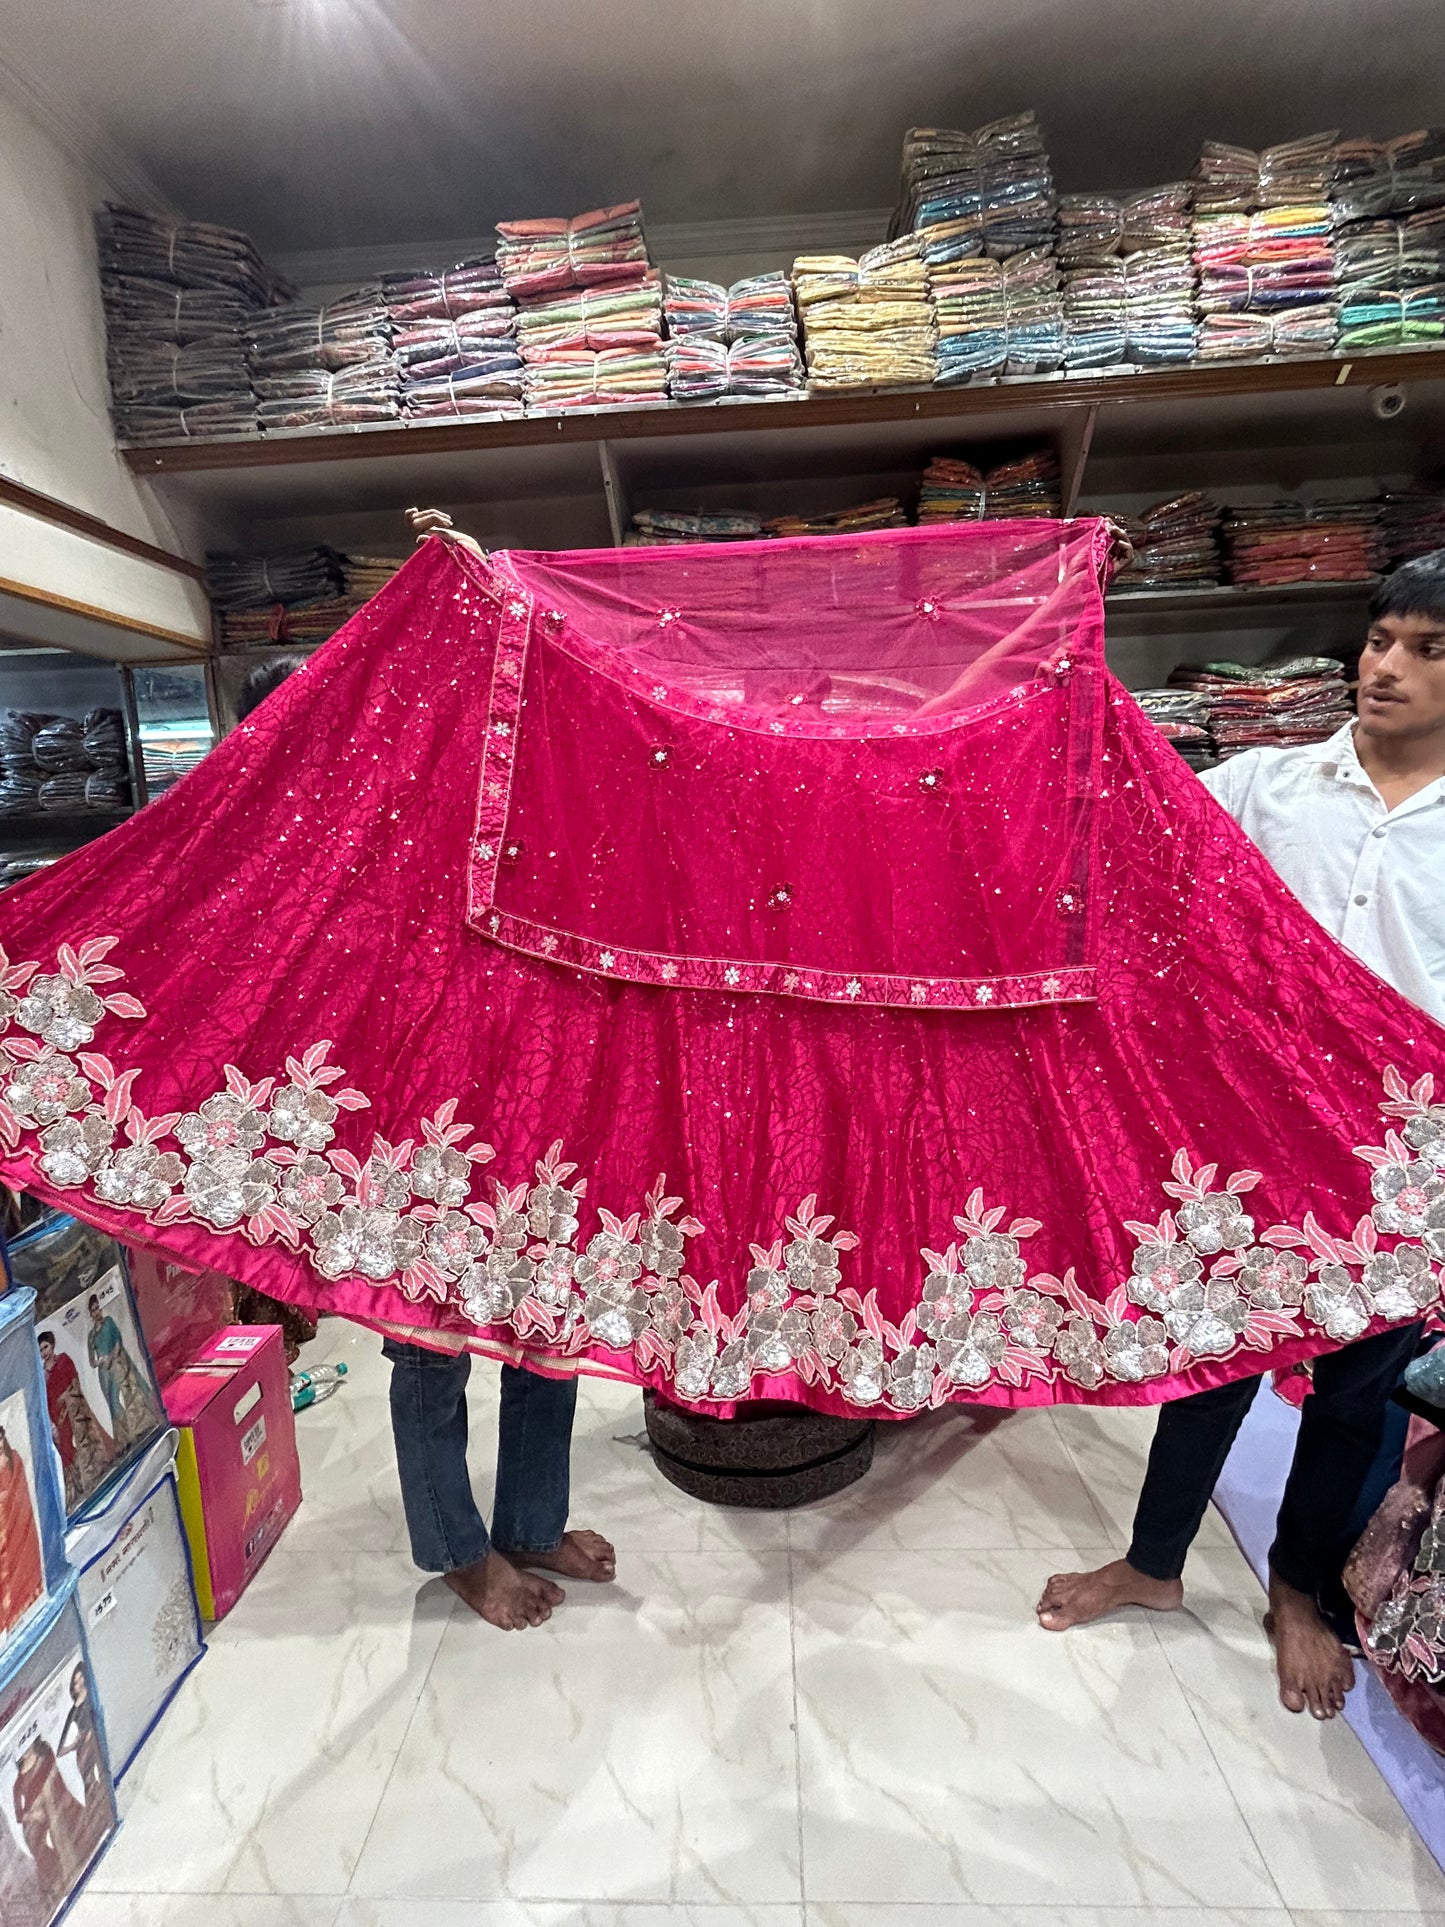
point(594, 347)
point(1374, 178)
point(1033, 312)
point(1237, 180)
point(325, 367)
point(1276, 262)
point(953, 491)
point(454, 342)
point(1095, 306)
point(866, 323)
point(1413, 524)
point(740, 340)
point(1391, 280)
point(972, 320)
point(1301, 699)
point(1029, 485)
point(299, 595)
point(887, 513)
point(1156, 217)
point(62, 763)
point(996, 179)
point(658, 528)
point(1090, 229)
point(1159, 305)
point(604, 248)
point(1273, 543)
point(1182, 718)
point(177, 296)
point(1176, 545)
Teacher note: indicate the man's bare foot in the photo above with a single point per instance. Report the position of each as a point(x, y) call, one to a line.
point(1074, 1598)
point(581, 1555)
point(498, 1593)
point(1315, 1671)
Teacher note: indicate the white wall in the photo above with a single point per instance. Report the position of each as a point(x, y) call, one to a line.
point(55, 433)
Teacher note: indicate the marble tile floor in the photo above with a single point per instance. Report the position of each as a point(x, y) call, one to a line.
point(842, 1717)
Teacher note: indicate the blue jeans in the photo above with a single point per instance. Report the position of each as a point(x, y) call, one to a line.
point(534, 1449)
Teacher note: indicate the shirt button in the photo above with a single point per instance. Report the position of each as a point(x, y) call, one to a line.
point(1362, 901)
point(1377, 833)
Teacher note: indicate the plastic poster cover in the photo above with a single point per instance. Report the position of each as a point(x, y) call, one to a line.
point(57, 1801)
point(137, 1601)
point(105, 1408)
point(32, 1520)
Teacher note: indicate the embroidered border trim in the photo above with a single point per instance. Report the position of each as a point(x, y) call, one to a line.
point(256, 1160)
point(1067, 984)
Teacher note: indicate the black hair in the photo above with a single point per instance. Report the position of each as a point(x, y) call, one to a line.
point(1414, 589)
point(263, 679)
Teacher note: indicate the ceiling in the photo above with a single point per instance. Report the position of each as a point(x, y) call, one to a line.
point(320, 124)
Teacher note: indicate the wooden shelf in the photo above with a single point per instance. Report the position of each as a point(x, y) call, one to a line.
point(1193, 383)
point(1229, 596)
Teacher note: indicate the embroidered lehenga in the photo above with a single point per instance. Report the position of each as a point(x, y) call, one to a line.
point(788, 970)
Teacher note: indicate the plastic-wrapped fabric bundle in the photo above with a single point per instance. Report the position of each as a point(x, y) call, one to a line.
point(1033, 313)
point(761, 304)
point(940, 181)
point(1181, 717)
point(623, 316)
point(330, 398)
point(1391, 318)
point(426, 349)
point(164, 375)
point(866, 323)
point(1155, 217)
point(1310, 330)
point(1094, 309)
point(1026, 487)
point(1175, 544)
point(593, 250)
point(768, 366)
point(972, 320)
point(242, 581)
point(59, 745)
point(205, 422)
point(884, 513)
point(495, 389)
point(1225, 179)
point(1091, 229)
point(694, 307)
point(562, 379)
point(697, 368)
point(107, 790)
point(65, 793)
point(183, 254)
point(996, 176)
point(1237, 180)
point(945, 242)
point(297, 339)
point(1272, 705)
point(952, 491)
point(1414, 523)
point(1159, 305)
point(1392, 254)
point(469, 289)
point(1271, 543)
point(103, 739)
point(154, 314)
point(659, 526)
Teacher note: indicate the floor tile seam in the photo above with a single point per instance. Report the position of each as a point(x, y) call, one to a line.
point(1112, 1535)
point(350, 1891)
point(797, 1723)
point(1219, 1765)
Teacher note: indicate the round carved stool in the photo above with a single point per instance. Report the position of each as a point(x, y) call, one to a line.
point(772, 1455)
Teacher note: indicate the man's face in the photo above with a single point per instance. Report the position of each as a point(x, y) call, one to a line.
point(1402, 677)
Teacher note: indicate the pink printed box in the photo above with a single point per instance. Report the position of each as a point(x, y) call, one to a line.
point(239, 1477)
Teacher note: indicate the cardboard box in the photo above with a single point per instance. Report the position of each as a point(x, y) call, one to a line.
point(239, 1477)
point(178, 1309)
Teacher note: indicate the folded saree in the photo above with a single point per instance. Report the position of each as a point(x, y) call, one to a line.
point(804, 973)
point(588, 251)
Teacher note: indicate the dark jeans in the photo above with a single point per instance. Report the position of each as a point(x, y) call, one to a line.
point(534, 1447)
point(1341, 1426)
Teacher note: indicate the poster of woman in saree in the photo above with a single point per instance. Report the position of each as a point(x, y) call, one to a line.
point(59, 1820)
point(85, 1446)
point(22, 1571)
point(113, 1348)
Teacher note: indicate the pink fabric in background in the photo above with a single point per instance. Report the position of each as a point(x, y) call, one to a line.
point(1086, 1129)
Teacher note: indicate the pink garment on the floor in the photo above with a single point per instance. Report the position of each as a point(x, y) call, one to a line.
point(834, 879)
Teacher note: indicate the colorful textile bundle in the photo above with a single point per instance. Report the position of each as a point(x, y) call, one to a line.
point(760, 305)
point(972, 320)
point(176, 295)
point(626, 316)
point(594, 250)
point(1027, 486)
point(1033, 312)
point(1159, 305)
point(1389, 177)
point(325, 367)
point(1090, 229)
point(1408, 253)
point(468, 366)
point(885, 513)
point(470, 288)
point(944, 242)
point(997, 177)
point(1176, 545)
point(1301, 699)
point(763, 367)
point(1181, 717)
point(1391, 318)
point(1413, 524)
point(562, 379)
point(299, 595)
point(1237, 180)
point(1272, 543)
point(866, 323)
point(1280, 257)
point(1294, 331)
point(952, 491)
point(1095, 315)
point(329, 398)
point(652, 528)
point(695, 308)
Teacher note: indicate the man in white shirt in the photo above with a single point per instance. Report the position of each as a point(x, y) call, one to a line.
point(1356, 827)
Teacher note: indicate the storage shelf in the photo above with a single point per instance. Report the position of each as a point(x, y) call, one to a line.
point(1228, 595)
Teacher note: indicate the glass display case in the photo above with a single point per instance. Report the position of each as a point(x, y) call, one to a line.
point(66, 754)
point(171, 722)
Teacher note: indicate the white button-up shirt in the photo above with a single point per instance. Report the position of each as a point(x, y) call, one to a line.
point(1374, 877)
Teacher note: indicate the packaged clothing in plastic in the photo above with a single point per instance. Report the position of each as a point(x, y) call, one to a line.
point(57, 1800)
point(136, 1599)
point(105, 1407)
point(32, 1509)
point(804, 972)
